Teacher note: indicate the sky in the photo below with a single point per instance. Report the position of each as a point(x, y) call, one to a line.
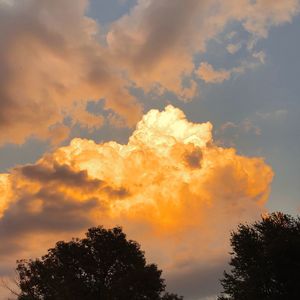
point(176, 120)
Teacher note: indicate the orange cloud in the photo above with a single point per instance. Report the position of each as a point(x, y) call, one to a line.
point(53, 56)
point(157, 41)
point(51, 59)
point(207, 73)
point(5, 192)
point(170, 187)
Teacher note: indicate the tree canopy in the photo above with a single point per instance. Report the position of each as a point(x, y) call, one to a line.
point(104, 265)
point(265, 261)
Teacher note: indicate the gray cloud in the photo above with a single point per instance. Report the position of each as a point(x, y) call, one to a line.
point(194, 158)
point(60, 174)
point(45, 211)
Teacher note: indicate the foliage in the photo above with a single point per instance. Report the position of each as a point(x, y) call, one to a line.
point(265, 260)
point(104, 266)
point(168, 296)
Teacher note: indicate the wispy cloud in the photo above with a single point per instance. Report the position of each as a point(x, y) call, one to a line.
point(207, 73)
point(233, 48)
point(279, 114)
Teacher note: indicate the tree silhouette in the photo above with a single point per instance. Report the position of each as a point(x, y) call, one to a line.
point(265, 260)
point(104, 266)
point(168, 296)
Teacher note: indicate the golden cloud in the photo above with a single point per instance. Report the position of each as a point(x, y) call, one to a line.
point(170, 187)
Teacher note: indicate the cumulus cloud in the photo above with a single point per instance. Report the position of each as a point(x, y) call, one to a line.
point(52, 56)
point(170, 187)
point(5, 192)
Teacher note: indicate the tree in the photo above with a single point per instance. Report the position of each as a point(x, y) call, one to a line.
point(265, 260)
point(168, 296)
point(104, 266)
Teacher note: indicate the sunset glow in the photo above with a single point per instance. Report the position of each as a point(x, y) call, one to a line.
point(168, 180)
point(174, 119)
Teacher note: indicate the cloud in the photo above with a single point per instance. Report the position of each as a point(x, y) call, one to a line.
point(61, 174)
point(52, 57)
point(260, 15)
point(157, 41)
point(5, 192)
point(230, 132)
point(246, 126)
point(261, 56)
point(207, 73)
point(279, 114)
point(58, 133)
point(170, 187)
point(233, 48)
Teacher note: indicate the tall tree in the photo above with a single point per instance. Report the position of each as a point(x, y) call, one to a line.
point(104, 265)
point(265, 261)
